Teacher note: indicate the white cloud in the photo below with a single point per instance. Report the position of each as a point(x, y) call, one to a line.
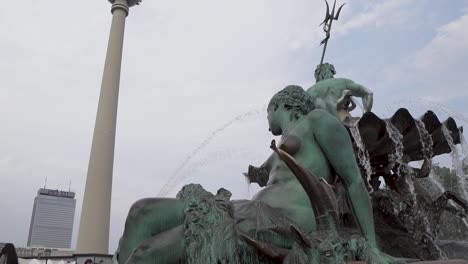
point(377, 15)
point(447, 48)
point(433, 70)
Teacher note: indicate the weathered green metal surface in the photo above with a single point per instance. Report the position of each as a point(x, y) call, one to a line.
point(169, 230)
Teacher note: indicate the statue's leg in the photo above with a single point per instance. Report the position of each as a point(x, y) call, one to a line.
point(147, 218)
point(165, 248)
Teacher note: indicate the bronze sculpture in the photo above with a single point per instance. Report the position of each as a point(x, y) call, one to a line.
point(315, 138)
point(315, 206)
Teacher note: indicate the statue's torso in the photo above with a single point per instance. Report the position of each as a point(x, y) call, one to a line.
point(283, 189)
point(329, 88)
point(327, 92)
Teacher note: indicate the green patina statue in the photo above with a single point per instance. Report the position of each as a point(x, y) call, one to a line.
point(335, 94)
point(199, 227)
point(327, 243)
point(294, 219)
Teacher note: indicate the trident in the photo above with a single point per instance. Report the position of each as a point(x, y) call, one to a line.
point(327, 24)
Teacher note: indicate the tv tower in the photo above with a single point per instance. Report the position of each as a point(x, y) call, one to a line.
point(93, 234)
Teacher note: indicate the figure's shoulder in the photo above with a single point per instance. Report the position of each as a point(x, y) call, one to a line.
point(319, 115)
point(326, 84)
point(343, 80)
point(316, 88)
point(320, 88)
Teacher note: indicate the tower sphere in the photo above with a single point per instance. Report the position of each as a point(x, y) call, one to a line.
point(130, 2)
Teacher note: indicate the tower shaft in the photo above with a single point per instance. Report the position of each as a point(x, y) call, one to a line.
point(93, 236)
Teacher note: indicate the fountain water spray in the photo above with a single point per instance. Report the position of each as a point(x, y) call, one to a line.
point(396, 137)
point(176, 177)
point(425, 139)
point(464, 146)
point(210, 158)
point(363, 154)
point(449, 111)
point(457, 162)
point(441, 190)
point(436, 183)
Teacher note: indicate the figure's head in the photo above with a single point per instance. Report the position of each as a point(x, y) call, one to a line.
point(288, 105)
point(324, 71)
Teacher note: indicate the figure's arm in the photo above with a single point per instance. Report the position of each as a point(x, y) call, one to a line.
point(268, 164)
point(336, 144)
point(342, 102)
point(261, 174)
point(361, 91)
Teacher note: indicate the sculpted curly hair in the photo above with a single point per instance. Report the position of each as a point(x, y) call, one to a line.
point(295, 98)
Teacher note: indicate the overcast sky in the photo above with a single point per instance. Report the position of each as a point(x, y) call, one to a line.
point(196, 76)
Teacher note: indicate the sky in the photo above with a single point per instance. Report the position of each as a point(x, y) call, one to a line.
point(196, 77)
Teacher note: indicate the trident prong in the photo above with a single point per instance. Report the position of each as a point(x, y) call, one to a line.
point(327, 25)
point(339, 11)
point(327, 15)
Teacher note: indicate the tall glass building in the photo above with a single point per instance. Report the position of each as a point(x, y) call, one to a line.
point(52, 219)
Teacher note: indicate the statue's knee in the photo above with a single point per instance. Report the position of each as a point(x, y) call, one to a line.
point(139, 208)
point(149, 207)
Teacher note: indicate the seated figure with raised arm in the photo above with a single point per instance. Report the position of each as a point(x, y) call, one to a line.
point(158, 230)
point(335, 94)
